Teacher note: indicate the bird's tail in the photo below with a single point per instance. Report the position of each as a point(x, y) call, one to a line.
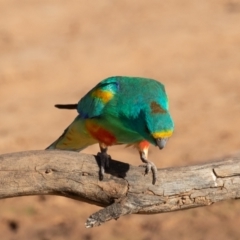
point(66, 106)
point(74, 138)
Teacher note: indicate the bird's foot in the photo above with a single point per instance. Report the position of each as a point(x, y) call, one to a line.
point(104, 162)
point(150, 166)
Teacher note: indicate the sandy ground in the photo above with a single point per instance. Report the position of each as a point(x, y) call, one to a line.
point(54, 51)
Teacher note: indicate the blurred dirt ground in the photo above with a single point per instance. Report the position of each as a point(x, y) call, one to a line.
point(53, 51)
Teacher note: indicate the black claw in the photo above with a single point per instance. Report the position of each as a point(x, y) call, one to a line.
point(149, 166)
point(154, 179)
point(100, 176)
point(104, 163)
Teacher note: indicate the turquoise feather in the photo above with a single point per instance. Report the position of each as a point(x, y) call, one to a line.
point(130, 107)
point(120, 110)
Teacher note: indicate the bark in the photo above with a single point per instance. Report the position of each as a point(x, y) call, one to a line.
point(125, 189)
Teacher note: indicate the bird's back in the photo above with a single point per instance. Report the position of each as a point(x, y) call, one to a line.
point(133, 95)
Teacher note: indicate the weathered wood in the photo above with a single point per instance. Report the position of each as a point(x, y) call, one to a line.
point(125, 188)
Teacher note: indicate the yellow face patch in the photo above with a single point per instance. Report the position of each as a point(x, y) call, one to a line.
point(165, 134)
point(105, 96)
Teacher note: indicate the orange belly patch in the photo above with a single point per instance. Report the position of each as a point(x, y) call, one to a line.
point(99, 133)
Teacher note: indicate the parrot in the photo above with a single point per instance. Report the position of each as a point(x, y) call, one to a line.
point(120, 110)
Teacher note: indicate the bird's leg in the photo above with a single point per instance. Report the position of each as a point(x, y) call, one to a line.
point(143, 147)
point(104, 159)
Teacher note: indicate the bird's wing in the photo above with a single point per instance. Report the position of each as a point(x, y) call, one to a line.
point(93, 103)
point(75, 138)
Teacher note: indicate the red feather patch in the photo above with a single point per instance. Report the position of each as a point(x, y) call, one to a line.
point(99, 133)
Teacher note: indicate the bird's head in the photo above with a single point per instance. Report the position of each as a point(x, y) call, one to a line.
point(161, 129)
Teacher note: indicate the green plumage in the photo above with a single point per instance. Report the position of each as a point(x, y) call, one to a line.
point(120, 110)
point(139, 105)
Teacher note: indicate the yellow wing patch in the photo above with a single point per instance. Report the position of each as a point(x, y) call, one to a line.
point(105, 96)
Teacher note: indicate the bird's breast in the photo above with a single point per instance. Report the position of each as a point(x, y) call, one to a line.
point(100, 133)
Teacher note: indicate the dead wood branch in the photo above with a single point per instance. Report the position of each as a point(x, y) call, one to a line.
point(124, 190)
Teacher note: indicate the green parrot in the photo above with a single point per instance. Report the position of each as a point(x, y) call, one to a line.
point(120, 110)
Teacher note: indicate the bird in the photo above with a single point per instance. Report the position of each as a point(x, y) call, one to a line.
point(120, 110)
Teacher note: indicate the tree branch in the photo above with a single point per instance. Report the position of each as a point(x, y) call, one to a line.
point(124, 190)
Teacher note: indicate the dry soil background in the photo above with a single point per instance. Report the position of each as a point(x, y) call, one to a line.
point(53, 51)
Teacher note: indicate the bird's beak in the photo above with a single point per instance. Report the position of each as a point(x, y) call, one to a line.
point(161, 142)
